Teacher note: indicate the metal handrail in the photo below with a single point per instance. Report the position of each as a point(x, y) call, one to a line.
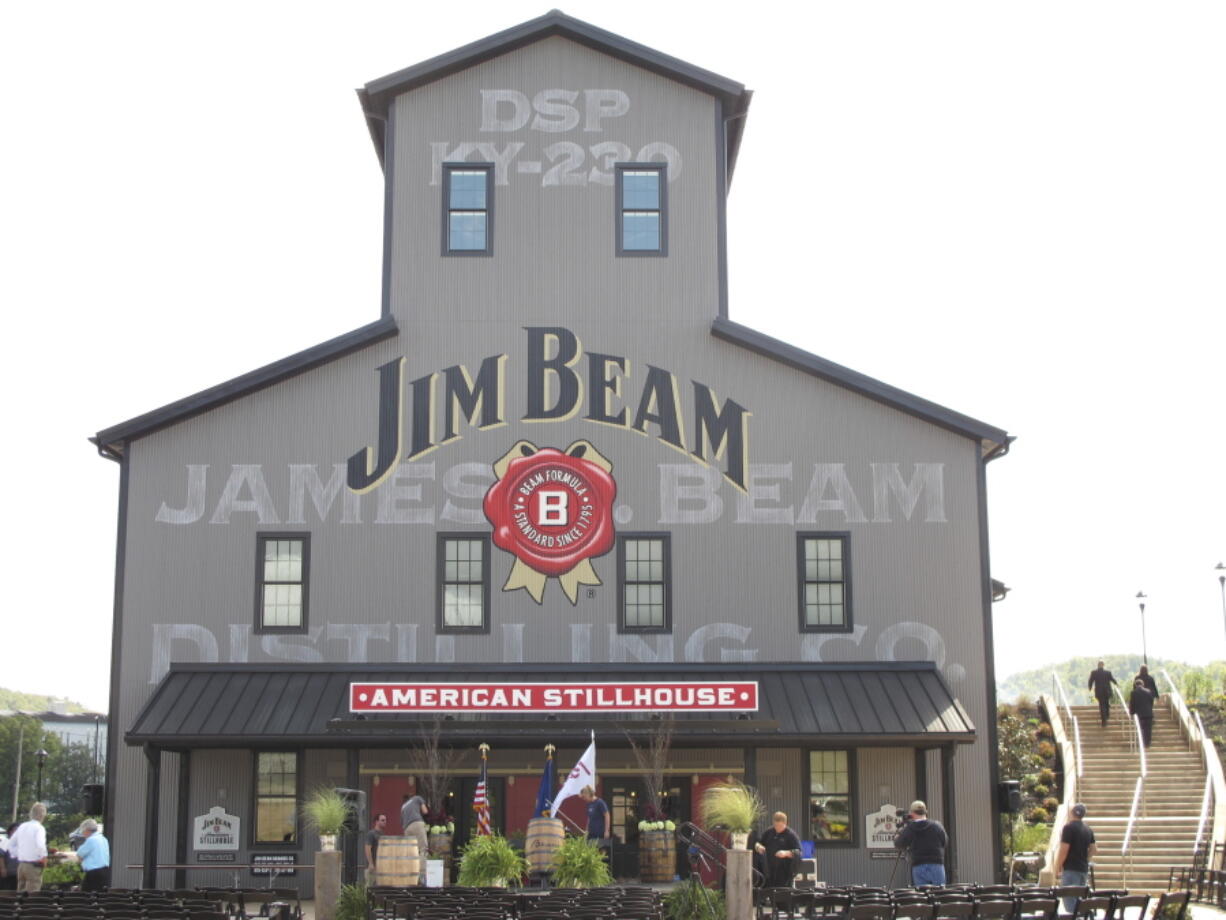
point(1068, 710)
point(1079, 761)
point(1125, 852)
point(1213, 766)
point(1204, 814)
point(1124, 714)
point(1071, 757)
point(1136, 721)
point(1181, 710)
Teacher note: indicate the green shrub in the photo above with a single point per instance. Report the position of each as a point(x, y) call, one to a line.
point(1046, 750)
point(687, 902)
point(1038, 815)
point(63, 873)
point(491, 861)
point(1039, 790)
point(352, 903)
point(579, 863)
point(1051, 804)
point(1047, 777)
point(1043, 731)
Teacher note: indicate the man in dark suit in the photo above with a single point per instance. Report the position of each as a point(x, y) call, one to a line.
point(1141, 705)
point(1100, 682)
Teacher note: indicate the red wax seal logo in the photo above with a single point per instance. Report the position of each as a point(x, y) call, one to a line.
point(553, 511)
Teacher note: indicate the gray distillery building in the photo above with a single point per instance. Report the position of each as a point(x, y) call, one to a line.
point(554, 459)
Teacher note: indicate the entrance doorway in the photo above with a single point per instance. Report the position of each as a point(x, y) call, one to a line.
point(627, 800)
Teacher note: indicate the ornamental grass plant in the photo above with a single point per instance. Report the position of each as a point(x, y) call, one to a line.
point(326, 811)
point(732, 806)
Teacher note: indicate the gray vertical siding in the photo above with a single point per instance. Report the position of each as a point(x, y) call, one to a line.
point(916, 577)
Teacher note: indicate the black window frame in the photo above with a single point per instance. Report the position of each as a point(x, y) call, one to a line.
point(619, 170)
point(844, 537)
point(261, 539)
point(667, 558)
point(488, 169)
point(853, 792)
point(253, 840)
point(440, 552)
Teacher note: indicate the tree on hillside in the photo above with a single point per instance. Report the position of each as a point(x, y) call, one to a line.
point(34, 702)
point(29, 732)
point(1075, 671)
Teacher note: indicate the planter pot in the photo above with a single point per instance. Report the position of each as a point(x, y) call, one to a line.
point(327, 843)
point(740, 840)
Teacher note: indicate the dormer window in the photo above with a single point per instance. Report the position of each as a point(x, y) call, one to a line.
point(642, 227)
point(468, 209)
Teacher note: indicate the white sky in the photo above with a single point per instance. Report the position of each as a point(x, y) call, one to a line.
point(1015, 210)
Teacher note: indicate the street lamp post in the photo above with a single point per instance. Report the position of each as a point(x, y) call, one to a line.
point(1221, 580)
point(42, 755)
point(1141, 598)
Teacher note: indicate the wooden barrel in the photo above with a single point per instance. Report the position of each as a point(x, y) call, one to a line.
point(399, 862)
point(657, 856)
point(440, 846)
point(545, 836)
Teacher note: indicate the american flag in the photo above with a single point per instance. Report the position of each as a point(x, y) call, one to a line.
point(481, 804)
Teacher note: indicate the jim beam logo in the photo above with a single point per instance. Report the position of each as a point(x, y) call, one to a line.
point(553, 511)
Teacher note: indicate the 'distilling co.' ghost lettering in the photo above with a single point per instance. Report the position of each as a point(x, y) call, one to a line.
point(556, 390)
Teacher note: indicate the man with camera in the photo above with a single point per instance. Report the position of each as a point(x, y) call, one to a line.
point(926, 840)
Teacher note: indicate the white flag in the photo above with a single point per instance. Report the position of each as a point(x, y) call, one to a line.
point(584, 774)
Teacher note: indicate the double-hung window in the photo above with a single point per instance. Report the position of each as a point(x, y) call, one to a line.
point(463, 583)
point(642, 216)
point(644, 590)
point(468, 209)
point(824, 581)
point(282, 563)
point(276, 798)
point(830, 796)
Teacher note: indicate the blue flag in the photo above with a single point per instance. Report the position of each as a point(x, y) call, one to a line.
point(544, 797)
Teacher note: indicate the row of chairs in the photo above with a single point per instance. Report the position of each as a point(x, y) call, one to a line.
point(958, 903)
point(148, 904)
point(611, 903)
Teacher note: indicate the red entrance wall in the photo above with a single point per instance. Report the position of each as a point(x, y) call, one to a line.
point(386, 796)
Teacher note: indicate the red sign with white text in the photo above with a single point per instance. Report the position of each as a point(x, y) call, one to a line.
point(678, 696)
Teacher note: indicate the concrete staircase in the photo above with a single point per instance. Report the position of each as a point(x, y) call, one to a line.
point(1165, 832)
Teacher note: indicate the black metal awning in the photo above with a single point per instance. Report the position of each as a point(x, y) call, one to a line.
point(868, 703)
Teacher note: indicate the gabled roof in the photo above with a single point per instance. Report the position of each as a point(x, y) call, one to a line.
point(227, 705)
point(110, 441)
point(993, 441)
point(377, 95)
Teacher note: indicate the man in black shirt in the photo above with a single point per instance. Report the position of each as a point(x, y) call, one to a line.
point(1073, 859)
point(372, 847)
point(779, 848)
point(927, 841)
point(1100, 682)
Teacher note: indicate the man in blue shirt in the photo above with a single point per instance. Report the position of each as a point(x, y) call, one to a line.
point(95, 856)
point(597, 816)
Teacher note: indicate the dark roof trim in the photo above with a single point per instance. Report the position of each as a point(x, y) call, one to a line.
point(991, 438)
point(111, 441)
point(550, 667)
point(376, 97)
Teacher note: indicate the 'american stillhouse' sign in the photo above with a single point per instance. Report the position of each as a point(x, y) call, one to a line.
point(674, 696)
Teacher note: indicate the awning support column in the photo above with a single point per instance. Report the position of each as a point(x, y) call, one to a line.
point(184, 816)
point(948, 800)
point(921, 776)
point(352, 779)
point(153, 790)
